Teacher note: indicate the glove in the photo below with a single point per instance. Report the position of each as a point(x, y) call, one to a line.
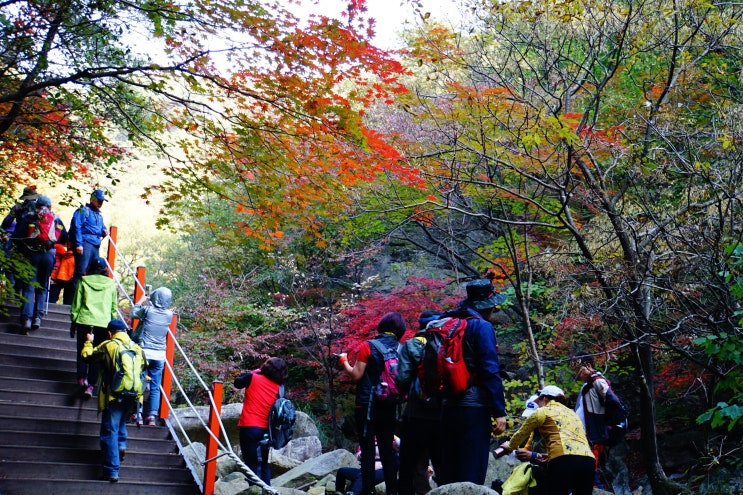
point(72, 331)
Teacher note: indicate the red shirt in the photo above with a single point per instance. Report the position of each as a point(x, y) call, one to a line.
point(259, 397)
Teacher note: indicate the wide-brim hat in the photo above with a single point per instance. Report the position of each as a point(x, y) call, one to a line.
point(481, 295)
point(29, 192)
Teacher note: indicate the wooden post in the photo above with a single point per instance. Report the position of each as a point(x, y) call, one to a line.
point(111, 253)
point(167, 374)
point(215, 410)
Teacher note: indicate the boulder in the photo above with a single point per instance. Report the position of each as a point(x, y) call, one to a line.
point(316, 469)
point(466, 488)
point(302, 448)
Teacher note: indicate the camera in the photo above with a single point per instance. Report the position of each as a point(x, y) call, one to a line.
point(499, 452)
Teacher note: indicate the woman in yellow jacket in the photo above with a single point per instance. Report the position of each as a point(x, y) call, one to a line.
point(570, 463)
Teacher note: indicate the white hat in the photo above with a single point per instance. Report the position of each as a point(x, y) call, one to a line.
point(531, 406)
point(551, 391)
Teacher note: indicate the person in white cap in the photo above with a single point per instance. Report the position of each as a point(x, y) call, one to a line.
point(570, 462)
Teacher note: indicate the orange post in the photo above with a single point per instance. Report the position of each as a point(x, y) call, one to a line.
point(167, 374)
point(111, 253)
point(210, 470)
point(138, 291)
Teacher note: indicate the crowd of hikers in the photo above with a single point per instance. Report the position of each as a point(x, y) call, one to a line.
point(441, 391)
point(426, 410)
point(123, 368)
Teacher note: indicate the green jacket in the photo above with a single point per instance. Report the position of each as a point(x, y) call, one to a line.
point(95, 301)
point(106, 353)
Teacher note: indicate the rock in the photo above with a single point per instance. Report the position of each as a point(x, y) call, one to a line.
point(280, 463)
point(315, 469)
point(302, 448)
point(233, 484)
point(196, 453)
point(466, 488)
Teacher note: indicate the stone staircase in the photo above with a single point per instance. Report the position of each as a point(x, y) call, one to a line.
point(49, 433)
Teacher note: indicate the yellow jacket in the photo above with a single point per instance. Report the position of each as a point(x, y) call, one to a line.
point(560, 428)
point(106, 353)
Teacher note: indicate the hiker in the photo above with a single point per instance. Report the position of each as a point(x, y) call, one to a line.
point(352, 475)
point(93, 306)
point(86, 231)
point(525, 477)
point(261, 390)
point(151, 334)
point(570, 463)
point(24, 203)
point(608, 445)
point(375, 419)
point(64, 269)
point(36, 232)
point(420, 445)
point(114, 410)
point(467, 416)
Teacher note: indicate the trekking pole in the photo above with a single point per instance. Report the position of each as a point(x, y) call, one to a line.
point(48, 290)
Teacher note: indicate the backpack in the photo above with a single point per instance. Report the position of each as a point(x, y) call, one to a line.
point(616, 416)
point(281, 420)
point(128, 374)
point(36, 228)
point(82, 210)
point(386, 390)
point(442, 371)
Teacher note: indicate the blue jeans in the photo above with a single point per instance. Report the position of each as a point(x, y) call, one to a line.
point(113, 436)
point(155, 372)
point(34, 304)
point(83, 261)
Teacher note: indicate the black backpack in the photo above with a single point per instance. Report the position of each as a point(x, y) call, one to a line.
point(281, 420)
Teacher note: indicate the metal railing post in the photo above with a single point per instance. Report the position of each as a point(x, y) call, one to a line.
point(167, 373)
point(215, 411)
point(111, 253)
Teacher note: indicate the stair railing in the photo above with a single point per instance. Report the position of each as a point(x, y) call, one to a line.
point(217, 437)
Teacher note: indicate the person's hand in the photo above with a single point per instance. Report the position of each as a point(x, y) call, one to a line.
point(104, 234)
point(79, 249)
point(90, 336)
point(342, 358)
point(523, 455)
point(500, 426)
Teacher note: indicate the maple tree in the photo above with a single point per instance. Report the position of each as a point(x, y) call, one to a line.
point(555, 145)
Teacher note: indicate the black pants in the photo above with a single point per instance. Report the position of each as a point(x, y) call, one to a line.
point(570, 474)
point(380, 426)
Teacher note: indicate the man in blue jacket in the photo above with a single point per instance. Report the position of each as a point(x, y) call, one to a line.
point(86, 231)
point(467, 416)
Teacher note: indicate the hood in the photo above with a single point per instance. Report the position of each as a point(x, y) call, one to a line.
point(97, 282)
point(161, 298)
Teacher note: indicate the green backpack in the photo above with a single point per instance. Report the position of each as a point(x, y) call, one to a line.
point(129, 374)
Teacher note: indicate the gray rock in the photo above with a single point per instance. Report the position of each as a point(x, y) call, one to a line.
point(462, 489)
point(302, 448)
point(316, 469)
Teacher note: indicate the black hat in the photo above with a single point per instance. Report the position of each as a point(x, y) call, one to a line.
point(481, 295)
point(116, 325)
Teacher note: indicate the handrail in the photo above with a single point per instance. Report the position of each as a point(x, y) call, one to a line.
point(221, 440)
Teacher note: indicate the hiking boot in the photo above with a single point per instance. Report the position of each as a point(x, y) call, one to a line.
point(139, 420)
point(83, 382)
point(151, 421)
point(36, 324)
point(109, 478)
point(25, 326)
point(88, 393)
point(122, 455)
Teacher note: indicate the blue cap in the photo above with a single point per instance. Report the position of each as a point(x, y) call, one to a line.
point(99, 265)
point(98, 194)
point(116, 325)
point(44, 201)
